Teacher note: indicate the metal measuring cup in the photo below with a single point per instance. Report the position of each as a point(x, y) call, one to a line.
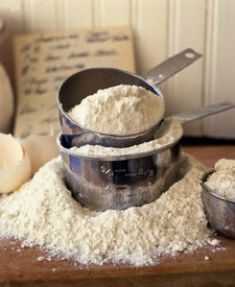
point(87, 82)
point(220, 211)
point(101, 183)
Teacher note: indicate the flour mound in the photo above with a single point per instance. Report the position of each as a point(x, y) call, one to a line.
point(43, 212)
point(119, 110)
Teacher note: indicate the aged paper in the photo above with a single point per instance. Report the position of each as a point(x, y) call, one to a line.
point(44, 60)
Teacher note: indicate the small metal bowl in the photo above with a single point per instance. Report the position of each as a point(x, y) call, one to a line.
point(118, 183)
point(220, 211)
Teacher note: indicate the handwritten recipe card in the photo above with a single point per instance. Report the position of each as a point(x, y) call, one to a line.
point(44, 60)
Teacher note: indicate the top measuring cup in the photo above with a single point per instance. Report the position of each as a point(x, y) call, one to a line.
point(88, 81)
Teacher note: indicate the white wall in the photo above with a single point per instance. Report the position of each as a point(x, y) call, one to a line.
point(162, 28)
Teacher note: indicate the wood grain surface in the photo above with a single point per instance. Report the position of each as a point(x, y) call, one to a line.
point(21, 267)
point(210, 154)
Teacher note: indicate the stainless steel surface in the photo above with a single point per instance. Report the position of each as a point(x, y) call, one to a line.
point(220, 211)
point(203, 112)
point(119, 184)
point(88, 81)
point(171, 66)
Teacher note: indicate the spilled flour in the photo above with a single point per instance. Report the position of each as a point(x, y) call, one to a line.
point(43, 212)
point(119, 110)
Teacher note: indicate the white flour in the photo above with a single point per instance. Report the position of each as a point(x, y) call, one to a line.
point(119, 110)
point(168, 134)
point(43, 212)
point(222, 181)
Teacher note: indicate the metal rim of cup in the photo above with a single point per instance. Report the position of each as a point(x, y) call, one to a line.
point(114, 157)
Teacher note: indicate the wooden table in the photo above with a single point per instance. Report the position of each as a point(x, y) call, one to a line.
point(20, 267)
point(210, 154)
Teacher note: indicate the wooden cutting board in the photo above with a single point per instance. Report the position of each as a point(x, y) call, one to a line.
point(21, 267)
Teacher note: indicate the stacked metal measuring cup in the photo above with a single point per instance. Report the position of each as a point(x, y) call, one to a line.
point(108, 181)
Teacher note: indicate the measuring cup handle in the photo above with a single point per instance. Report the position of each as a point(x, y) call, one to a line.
point(171, 66)
point(203, 112)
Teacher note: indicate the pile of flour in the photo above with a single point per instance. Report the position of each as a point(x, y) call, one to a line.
point(222, 181)
point(119, 110)
point(43, 212)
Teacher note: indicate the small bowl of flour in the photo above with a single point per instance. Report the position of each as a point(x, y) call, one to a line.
point(218, 195)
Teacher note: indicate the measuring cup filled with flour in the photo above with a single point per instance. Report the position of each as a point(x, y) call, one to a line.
point(89, 96)
point(102, 178)
point(119, 115)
